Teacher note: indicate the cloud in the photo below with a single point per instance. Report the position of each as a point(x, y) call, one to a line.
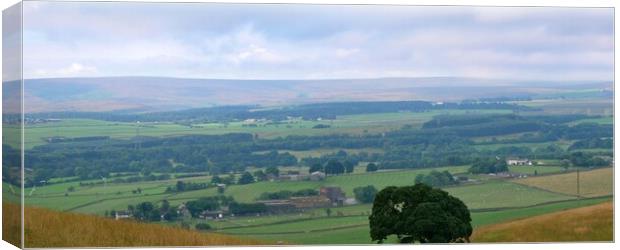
point(316, 41)
point(75, 69)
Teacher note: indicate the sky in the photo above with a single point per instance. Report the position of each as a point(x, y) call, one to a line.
point(250, 41)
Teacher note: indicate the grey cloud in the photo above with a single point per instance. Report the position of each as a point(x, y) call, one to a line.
point(317, 41)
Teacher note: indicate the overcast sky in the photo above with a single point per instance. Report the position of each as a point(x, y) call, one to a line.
point(68, 39)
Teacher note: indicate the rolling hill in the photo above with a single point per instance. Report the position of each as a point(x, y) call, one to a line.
point(592, 223)
point(97, 94)
point(47, 228)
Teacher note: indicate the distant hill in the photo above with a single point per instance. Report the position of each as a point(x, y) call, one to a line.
point(47, 228)
point(163, 93)
point(592, 223)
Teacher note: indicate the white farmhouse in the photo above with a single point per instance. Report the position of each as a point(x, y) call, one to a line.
point(518, 162)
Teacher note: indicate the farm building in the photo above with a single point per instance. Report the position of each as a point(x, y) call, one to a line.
point(293, 177)
point(122, 215)
point(211, 215)
point(310, 202)
point(518, 162)
point(221, 187)
point(334, 194)
point(317, 176)
point(279, 206)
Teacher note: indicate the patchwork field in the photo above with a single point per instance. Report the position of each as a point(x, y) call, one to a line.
point(593, 183)
point(492, 198)
point(353, 229)
point(592, 223)
point(98, 199)
point(352, 124)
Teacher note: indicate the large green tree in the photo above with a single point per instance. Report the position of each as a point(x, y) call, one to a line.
point(246, 178)
point(419, 213)
point(334, 167)
point(365, 194)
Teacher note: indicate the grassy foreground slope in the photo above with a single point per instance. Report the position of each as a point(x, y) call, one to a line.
point(47, 228)
point(593, 223)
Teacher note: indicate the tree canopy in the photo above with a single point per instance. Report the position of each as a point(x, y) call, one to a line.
point(421, 214)
point(365, 194)
point(246, 178)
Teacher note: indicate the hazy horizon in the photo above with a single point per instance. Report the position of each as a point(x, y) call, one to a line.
point(324, 79)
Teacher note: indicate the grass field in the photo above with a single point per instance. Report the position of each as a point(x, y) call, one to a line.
point(99, 198)
point(530, 170)
point(248, 193)
point(592, 223)
point(352, 124)
point(588, 106)
point(492, 217)
point(314, 227)
point(593, 183)
point(47, 228)
point(564, 144)
point(323, 151)
point(602, 120)
point(499, 194)
point(354, 229)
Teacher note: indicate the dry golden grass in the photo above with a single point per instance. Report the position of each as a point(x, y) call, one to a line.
point(11, 225)
point(593, 183)
point(593, 223)
point(47, 228)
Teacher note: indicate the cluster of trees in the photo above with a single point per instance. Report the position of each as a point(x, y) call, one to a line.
point(365, 194)
point(12, 166)
point(441, 121)
point(372, 167)
point(320, 126)
point(228, 180)
point(246, 178)
point(285, 194)
point(444, 141)
point(607, 143)
point(212, 203)
point(488, 165)
point(349, 161)
point(182, 186)
point(147, 211)
point(247, 208)
point(333, 167)
point(584, 159)
point(436, 179)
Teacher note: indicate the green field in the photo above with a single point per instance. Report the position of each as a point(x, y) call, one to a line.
point(563, 144)
point(98, 199)
point(591, 183)
point(531, 170)
point(499, 194)
point(588, 106)
point(353, 124)
point(248, 193)
point(491, 198)
point(602, 120)
point(354, 229)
